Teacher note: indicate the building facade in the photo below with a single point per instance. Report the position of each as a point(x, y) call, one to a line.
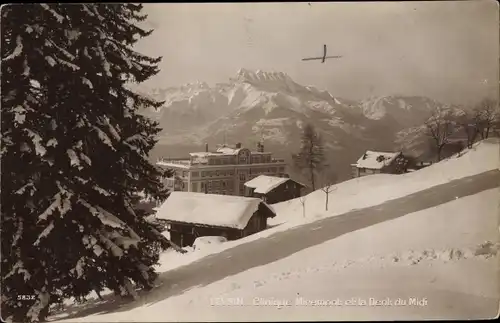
point(223, 171)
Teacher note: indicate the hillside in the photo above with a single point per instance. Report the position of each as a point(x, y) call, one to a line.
point(444, 257)
point(272, 106)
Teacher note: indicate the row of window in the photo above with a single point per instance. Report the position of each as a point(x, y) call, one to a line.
point(221, 161)
point(216, 173)
point(217, 184)
point(261, 159)
point(230, 172)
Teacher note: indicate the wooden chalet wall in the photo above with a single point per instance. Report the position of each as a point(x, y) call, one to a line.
point(184, 234)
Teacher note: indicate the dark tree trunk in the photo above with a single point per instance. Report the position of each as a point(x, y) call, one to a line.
point(439, 150)
point(312, 178)
point(98, 294)
point(326, 203)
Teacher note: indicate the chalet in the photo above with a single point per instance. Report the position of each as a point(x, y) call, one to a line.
point(374, 162)
point(273, 189)
point(191, 215)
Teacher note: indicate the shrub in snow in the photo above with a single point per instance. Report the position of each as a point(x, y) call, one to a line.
point(487, 249)
point(74, 152)
point(207, 242)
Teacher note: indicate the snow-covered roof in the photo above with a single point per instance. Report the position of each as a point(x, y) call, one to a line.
point(376, 159)
point(263, 184)
point(210, 209)
point(173, 164)
point(202, 154)
point(228, 150)
point(222, 151)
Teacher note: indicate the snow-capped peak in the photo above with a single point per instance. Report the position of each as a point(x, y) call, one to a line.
point(259, 75)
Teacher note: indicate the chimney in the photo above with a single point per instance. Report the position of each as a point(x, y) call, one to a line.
point(238, 145)
point(206, 147)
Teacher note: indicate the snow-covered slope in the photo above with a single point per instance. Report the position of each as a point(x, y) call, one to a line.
point(375, 189)
point(442, 261)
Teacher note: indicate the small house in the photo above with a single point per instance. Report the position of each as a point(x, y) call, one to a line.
point(190, 215)
point(374, 162)
point(273, 189)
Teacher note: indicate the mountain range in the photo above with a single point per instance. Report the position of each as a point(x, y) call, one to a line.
point(271, 106)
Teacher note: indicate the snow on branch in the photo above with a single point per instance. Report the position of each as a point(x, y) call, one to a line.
point(104, 216)
point(87, 82)
point(17, 51)
point(138, 137)
point(134, 148)
point(19, 114)
point(58, 17)
point(63, 205)
point(105, 63)
point(23, 189)
point(18, 268)
point(50, 60)
point(104, 137)
point(19, 231)
point(68, 64)
point(74, 161)
point(50, 43)
point(40, 304)
point(44, 233)
point(40, 150)
point(101, 190)
point(115, 250)
point(86, 159)
point(78, 267)
point(112, 130)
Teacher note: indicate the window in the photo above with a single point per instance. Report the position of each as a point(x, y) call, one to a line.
point(223, 183)
point(231, 173)
point(242, 177)
point(195, 174)
point(273, 169)
point(194, 187)
point(202, 185)
point(203, 174)
point(184, 174)
point(282, 169)
point(210, 184)
point(216, 173)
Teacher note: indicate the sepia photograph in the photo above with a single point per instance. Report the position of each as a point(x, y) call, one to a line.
point(271, 161)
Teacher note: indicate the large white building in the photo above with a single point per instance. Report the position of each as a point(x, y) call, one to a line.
point(223, 171)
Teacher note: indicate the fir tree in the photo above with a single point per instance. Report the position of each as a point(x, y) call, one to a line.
point(311, 157)
point(74, 153)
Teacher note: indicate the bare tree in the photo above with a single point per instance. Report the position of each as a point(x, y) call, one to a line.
point(311, 156)
point(328, 186)
point(468, 124)
point(302, 200)
point(440, 126)
point(486, 115)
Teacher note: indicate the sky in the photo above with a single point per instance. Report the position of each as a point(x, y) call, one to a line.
point(448, 51)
